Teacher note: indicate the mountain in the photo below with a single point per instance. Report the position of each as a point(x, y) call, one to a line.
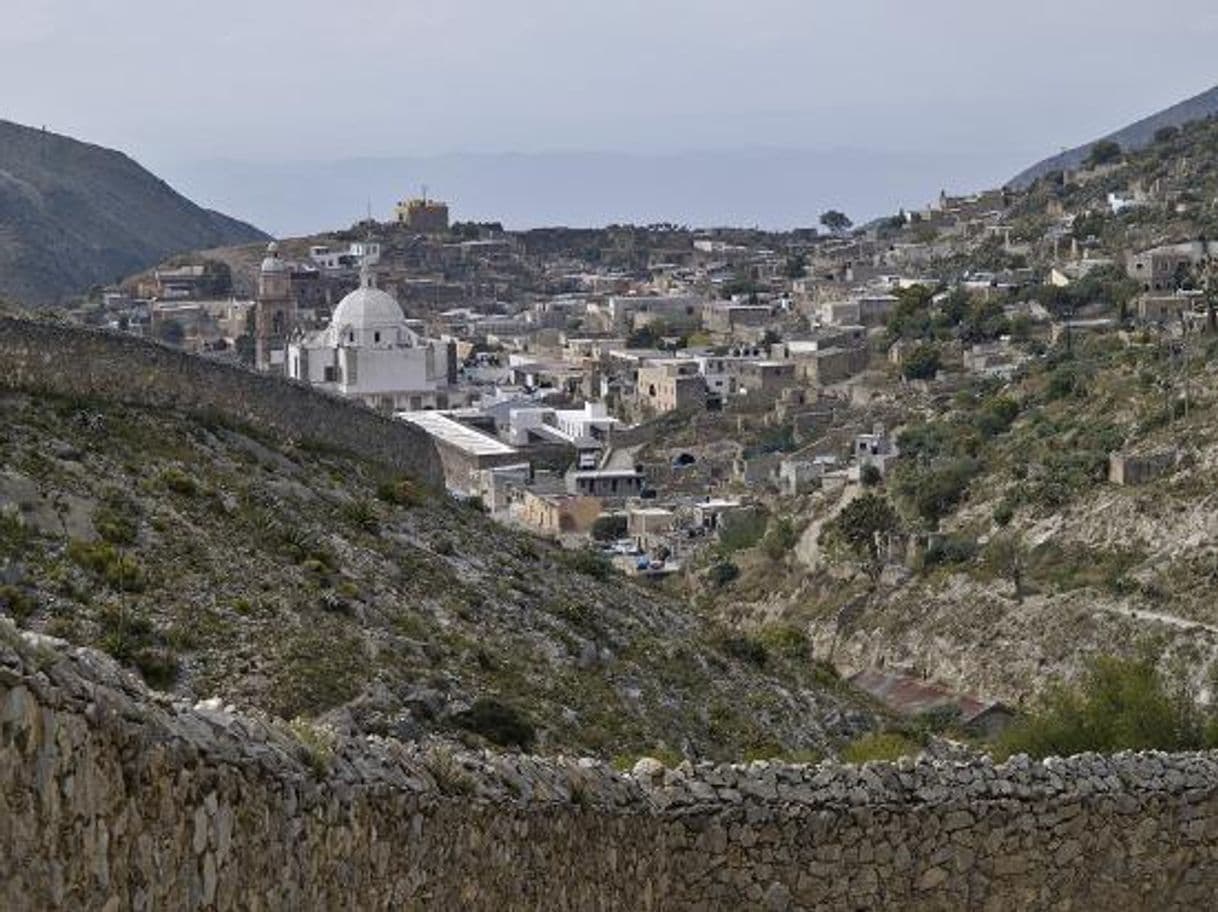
point(74, 215)
point(1134, 137)
point(771, 187)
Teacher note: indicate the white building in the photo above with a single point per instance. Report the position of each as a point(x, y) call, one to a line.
point(369, 352)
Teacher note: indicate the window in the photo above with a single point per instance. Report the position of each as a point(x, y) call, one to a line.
point(376, 336)
point(351, 336)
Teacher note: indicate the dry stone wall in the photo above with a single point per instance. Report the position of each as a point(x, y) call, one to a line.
point(112, 798)
point(71, 361)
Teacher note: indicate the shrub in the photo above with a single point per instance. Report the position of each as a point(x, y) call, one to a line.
point(745, 649)
point(498, 722)
point(588, 562)
point(19, 604)
point(609, 527)
point(402, 492)
point(363, 514)
point(121, 572)
point(117, 520)
point(1119, 704)
point(316, 744)
point(935, 490)
point(784, 640)
point(887, 746)
point(722, 573)
point(923, 363)
point(779, 539)
point(132, 639)
point(870, 476)
point(951, 549)
point(177, 481)
point(742, 530)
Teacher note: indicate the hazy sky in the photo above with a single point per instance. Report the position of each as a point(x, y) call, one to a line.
point(171, 81)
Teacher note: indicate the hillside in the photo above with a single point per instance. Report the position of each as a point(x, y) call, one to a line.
point(1036, 561)
point(223, 560)
point(1134, 137)
point(73, 215)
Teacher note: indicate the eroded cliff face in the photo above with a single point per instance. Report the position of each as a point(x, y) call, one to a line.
point(113, 797)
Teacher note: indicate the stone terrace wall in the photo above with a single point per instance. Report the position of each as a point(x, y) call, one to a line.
point(72, 361)
point(113, 798)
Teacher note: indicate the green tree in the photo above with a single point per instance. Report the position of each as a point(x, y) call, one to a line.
point(1104, 152)
point(859, 528)
point(923, 363)
point(837, 222)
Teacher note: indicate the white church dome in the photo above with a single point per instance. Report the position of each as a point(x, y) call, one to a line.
point(368, 307)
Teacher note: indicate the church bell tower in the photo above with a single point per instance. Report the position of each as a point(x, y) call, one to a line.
point(275, 313)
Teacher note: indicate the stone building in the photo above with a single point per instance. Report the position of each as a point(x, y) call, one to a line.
point(274, 313)
point(665, 385)
point(423, 215)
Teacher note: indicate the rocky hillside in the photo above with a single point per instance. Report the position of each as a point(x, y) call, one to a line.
point(74, 215)
point(224, 562)
point(1036, 560)
point(1134, 137)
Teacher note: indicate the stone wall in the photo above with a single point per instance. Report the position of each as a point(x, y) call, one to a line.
point(70, 361)
point(114, 798)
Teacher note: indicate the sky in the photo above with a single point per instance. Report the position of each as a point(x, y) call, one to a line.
point(185, 87)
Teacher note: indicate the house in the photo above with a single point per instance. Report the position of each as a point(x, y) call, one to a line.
point(798, 475)
point(875, 449)
point(668, 384)
point(911, 697)
point(606, 483)
point(765, 378)
point(464, 452)
point(1128, 469)
point(558, 514)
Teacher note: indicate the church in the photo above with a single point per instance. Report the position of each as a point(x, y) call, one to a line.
point(370, 353)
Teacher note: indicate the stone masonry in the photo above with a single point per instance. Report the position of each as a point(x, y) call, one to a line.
point(113, 797)
point(70, 361)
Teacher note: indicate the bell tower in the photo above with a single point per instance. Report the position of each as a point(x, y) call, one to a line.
point(275, 313)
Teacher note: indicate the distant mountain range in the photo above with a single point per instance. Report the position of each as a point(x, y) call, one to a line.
point(1134, 137)
point(764, 187)
point(73, 215)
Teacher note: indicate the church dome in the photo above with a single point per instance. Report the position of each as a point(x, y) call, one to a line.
point(368, 307)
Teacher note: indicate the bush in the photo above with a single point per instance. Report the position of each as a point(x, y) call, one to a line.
point(951, 549)
point(870, 476)
point(609, 527)
point(1119, 704)
point(133, 640)
point(935, 490)
point(402, 492)
point(500, 723)
point(177, 481)
point(886, 746)
point(121, 572)
point(588, 562)
point(19, 605)
point(923, 363)
point(739, 531)
point(786, 641)
point(723, 573)
point(779, 539)
point(745, 649)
